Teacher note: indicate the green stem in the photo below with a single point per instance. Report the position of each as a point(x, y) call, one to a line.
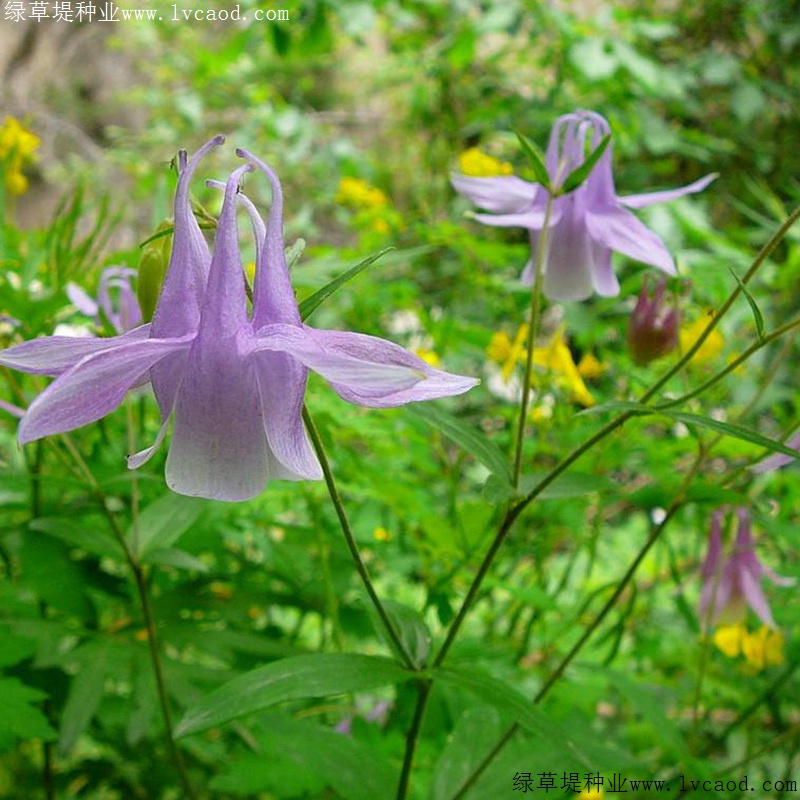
point(147, 614)
point(424, 690)
point(352, 545)
point(533, 330)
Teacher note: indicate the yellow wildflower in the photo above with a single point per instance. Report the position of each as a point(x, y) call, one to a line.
point(729, 639)
point(506, 353)
point(381, 534)
point(710, 348)
point(593, 792)
point(764, 648)
point(589, 367)
point(477, 164)
point(557, 359)
point(428, 356)
point(357, 193)
point(17, 146)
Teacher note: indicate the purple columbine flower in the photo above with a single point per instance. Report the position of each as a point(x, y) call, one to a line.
point(234, 382)
point(116, 300)
point(732, 582)
point(586, 225)
point(777, 460)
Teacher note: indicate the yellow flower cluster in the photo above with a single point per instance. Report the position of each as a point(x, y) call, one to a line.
point(17, 146)
point(357, 193)
point(477, 164)
point(711, 347)
point(763, 648)
point(555, 358)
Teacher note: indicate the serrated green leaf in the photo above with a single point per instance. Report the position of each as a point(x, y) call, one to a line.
point(535, 159)
point(310, 304)
point(757, 316)
point(293, 678)
point(581, 173)
point(21, 718)
point(163, 522)
point(467, 437)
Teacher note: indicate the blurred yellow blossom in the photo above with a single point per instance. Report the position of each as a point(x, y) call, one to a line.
point(357, 193)
point(729, 638)
point(710, 348)
point(557, 359)
point(428, 356)
point(554, 358)
point(477, 164)
point(591, 793)
point(506, 353)
point(764, 648)
point(17, 146)
point(589, 367)
point(381, 534)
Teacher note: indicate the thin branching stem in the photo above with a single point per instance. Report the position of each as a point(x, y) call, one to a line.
point(533, 332)
point(350, 539)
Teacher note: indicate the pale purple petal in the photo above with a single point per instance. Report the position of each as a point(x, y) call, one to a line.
point(218, 448)
point(750, 586)
point(273, 296)
point(603, 277)
point(282, 388)
point(619, 230)
point(770, 463)
point(178, 309)
point(363, 369)
point(10, 408)
point(643, 200)
point(81, 300)
point(570, 265)
point(94, 387)
point(502, 195)
point(533, 218)
point(52, 355)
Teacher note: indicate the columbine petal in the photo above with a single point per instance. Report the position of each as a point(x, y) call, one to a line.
point(94, 387)
point(363, 369)
point(776, 460)
point(282, 388)
point(52, 355)
point(501, 195)
point(619, 230)
point(647, 199)
point(570, 261)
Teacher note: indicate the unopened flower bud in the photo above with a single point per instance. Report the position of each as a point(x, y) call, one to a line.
point(653, 326)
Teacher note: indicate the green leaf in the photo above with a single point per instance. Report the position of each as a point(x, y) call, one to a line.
point(570, 484)
point(81, 532)
point(301, 758)
point(757, 316)
point(162, 523)
point(581, 173)
point(509, 701)
point(85, 695)
point(729, 429)
point(294, 252)
point(474, 442)
point(292, 678)
point(21, 718)
point(535, 159)
point(171, 557)
point(410, 627)
point(310, 304)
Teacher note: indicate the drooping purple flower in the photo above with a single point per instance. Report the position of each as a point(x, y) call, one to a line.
point(234, 382)
point(732, 581)
point(653, 325)
point(116, 300)
point(586, 225)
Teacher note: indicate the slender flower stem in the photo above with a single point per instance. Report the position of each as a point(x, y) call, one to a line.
point(424, 690)
point(533, 331)
point(352, 545)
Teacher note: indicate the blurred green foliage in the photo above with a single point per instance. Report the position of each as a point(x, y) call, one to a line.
point(389, 92)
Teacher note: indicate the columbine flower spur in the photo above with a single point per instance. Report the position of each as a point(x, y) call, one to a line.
point(234, 382)
point(586, 225)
